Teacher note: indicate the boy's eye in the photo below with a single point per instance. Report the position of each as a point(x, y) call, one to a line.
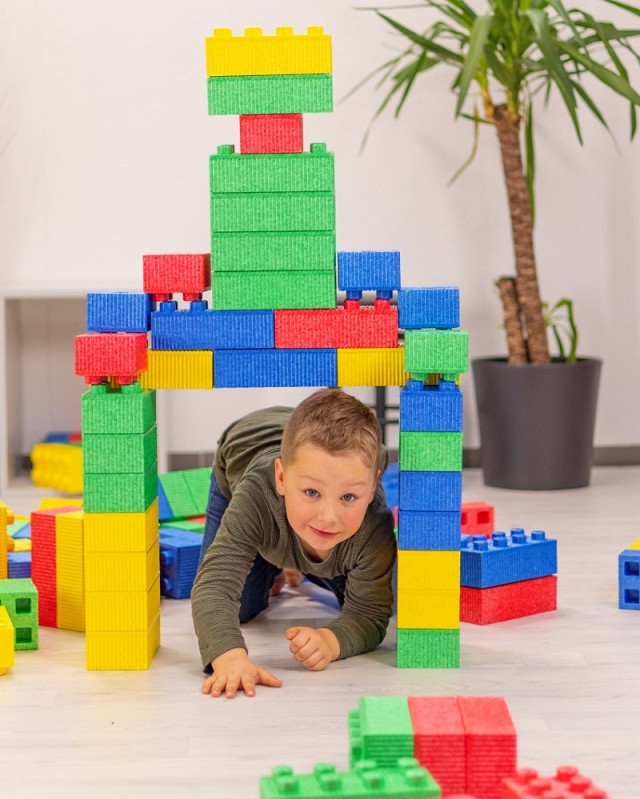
point(348, 497)
point(311, 492)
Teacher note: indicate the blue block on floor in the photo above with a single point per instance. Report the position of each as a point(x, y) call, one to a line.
point(202, 329)
point(433, 491)
point(118, 312)
point(433, 306)
point(436, 409)
point(369, 271)
point(19, 565)
point(629, 579)
point(165, 513)
point(20, 529)
point(256, 368)
point(422, 530)
point(179, 554)
point(504, 558)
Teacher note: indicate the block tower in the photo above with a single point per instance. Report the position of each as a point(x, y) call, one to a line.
point(273, 321)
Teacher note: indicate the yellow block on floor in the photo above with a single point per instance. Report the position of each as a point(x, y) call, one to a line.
point(6, 518)
point(121, 532)
point(372, 367)
point(428, 570)
point(50, 503)
point(70, 602)
point(7, 641)
point(128, 650)
point(178, 369)
point(429, 610)
point(122, 571)
point(256, 54)
point(122, 610)
point(58, 466)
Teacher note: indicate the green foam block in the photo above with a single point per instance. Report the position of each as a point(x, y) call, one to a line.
point(436, 351)
point(430, 452)
point(128, 410)
point(274, 212)
point(428, 649)
point(120, 493)
point(238, 291)
point(273, 252)
point(119, 452)
point(270, 94)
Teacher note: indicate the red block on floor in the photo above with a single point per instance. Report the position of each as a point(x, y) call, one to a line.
point(477, 518)
point(567, 783)
point(352, 326)
point(490, 744)
point(510, 601)
point(271, 133)
point(165, 275)
point(438, 740)
point(43, 563)
point(103, 355)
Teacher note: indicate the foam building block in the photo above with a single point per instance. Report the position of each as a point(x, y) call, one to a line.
point(439, 740)
point(506, 559)
point(432, 491)
point(19, 564)
point(477, 518)
point(192, 369)
point(70, 594)
point(179, 273)
point(271, 133)
point(380, 729)
point(272, 212)
point(629, 579)
point(428, 529)
point(304, 367)
point(369, 270)
point(508, 601)
point(58, 466)
point(121, 411)
point(349, 327)
point(566, 783)
point(179, 554)
point(270, 94)
point(119, 355)
point(7, 637)
point(430, 307)
point(436, 351)
point(278, 289)
point(6, 518)
point(20, 598)
point(204, 329)
point(430, 451)
point(431, 408)
point(366, 366)
point(275, 252)
point(120, 311)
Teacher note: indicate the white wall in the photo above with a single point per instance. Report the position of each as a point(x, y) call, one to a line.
point(104, 139)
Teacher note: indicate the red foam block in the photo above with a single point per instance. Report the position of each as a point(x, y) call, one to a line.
point(349, 327)
point(271, 133)
point(566, 783)
point(510, 601)
point(477, 518)
point(43, 563)
point(439, 740)
point(103, 355)
point(165, 275)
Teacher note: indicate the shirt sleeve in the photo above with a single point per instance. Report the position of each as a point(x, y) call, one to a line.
point(215, 597)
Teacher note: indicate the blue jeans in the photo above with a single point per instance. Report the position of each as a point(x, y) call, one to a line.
point(255, 595)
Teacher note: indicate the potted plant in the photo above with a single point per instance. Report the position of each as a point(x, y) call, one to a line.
point(536, 413)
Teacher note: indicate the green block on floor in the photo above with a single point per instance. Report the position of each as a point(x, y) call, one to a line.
point(124, 411)
point(184, 524)
point(20, 598)
point(119, 452)
point(383, 730)
point(436, 351)
point(120, 493)
point(302, 211)
point(236, 291)
point(430, 452)
point(273, 252)
point(270, 94)
point(271, 172)
point(198, 482)
point(428, 649)
point(179, 495)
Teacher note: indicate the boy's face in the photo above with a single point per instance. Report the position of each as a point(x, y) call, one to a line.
point(326, 496)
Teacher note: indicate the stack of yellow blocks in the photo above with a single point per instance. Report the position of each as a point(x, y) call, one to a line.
point(6, 518)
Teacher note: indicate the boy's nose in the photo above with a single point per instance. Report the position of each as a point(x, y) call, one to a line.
point(327, 516)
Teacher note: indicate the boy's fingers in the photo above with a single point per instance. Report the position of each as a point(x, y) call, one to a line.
point(292, 632)
point(232, 687)
point(267, 678)
point(208, 684)
point(249, 686)
point(217, 687)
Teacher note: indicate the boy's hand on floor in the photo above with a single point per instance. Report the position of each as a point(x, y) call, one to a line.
point(315, 649)
point(233, 671)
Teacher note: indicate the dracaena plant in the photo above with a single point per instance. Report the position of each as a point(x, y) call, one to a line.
point(505, 58)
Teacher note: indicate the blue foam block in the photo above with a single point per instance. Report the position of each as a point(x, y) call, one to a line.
point(119, 311)
point(506, 558)
point(433, 306)
point(19, 564)
point(255, 368)
point(165, 513)
point(435, 409)
point(422, 530)
point(369, 271)
point(202, 329)
point(629, 579)
point(179, 554)
point(431, 491)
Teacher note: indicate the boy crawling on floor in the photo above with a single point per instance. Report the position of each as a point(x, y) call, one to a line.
point(294, 490)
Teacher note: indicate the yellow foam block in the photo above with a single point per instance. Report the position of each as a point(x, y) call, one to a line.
point(123, 610)
point(635, 545)
point(6, 514)
point(57, 466)
point(429, 610)
point(255, 54)
point(372, 367)
point(178, 369)
point(70, 602)
point(121, 571)
point(429, 570)
point(20, 545)
point(128, 650)
point(5, 542)
point(121, 532)
point(49, 503)
point(7, 641)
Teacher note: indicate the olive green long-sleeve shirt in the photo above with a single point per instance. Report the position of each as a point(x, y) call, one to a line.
point(256, 522)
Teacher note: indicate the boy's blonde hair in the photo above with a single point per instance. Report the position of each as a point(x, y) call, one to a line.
point(335, 421)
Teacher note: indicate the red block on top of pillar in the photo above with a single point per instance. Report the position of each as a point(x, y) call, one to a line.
point(103, 355)
point(271, 133)
point(176, 273)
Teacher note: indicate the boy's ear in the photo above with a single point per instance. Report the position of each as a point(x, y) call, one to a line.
point(279, 475)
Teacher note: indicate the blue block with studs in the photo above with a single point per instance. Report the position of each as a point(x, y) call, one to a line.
point(629, 579)
point(501, 559)
point(435, 409)
point(377, 271)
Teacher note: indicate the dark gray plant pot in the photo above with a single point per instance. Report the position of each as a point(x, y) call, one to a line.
point(536, 422)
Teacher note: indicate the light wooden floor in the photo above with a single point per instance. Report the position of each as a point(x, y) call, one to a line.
point(571, 679)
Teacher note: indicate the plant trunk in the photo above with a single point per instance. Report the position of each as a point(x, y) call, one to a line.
point(508, 128)
point(512, 316)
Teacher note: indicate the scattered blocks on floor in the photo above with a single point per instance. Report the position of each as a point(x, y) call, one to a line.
point(20, 598)
point(629, 579)
point(186, 492)
point(477, 518)
point(566, 783)
point(7, 641)
point(58, 466)
point(506, 559)
point(508, 601)
point(179, 555)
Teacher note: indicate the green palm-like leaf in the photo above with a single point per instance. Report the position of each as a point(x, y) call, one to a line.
point(479, 35)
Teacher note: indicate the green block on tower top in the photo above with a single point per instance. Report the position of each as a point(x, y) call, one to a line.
point(428, 649)
point(126, 410)
point(237, 291)
point(430, 452)
point(273, 252)
point(280, 172)
point(274, 212)
point(270, 94)
point(436, 351)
